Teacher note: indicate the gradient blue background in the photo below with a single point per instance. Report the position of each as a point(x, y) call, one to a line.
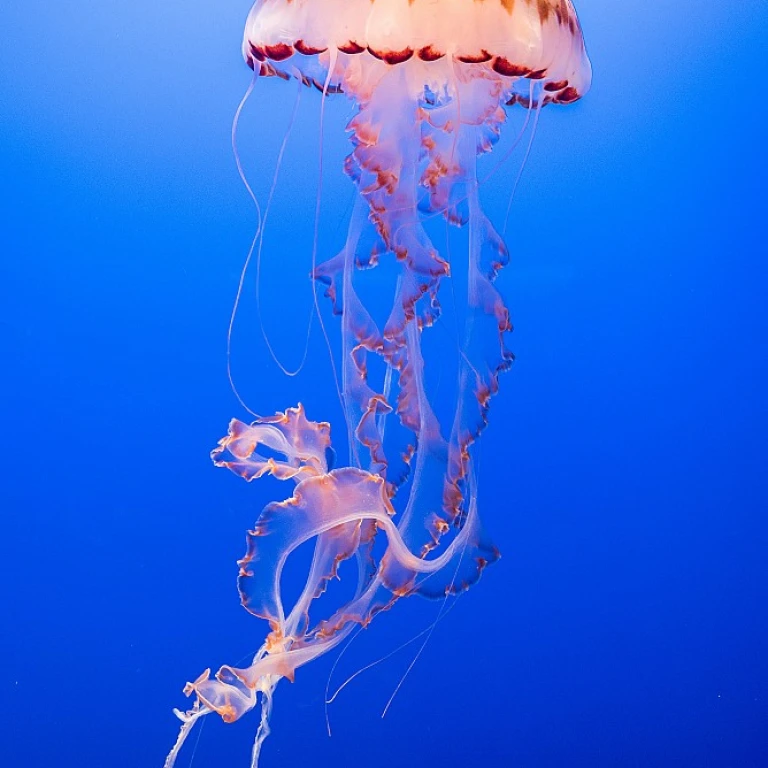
point(624, 473)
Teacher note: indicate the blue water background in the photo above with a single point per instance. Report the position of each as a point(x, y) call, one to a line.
point(623, 475)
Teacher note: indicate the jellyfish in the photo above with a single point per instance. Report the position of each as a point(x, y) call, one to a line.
point(431, 83)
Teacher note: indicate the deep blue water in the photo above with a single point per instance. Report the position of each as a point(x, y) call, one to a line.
point(623, 474)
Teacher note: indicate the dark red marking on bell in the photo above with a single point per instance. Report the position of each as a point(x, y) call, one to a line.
point(508, 69)
point(307, 50)
point(258, 53)
point(351, 47)
point(568, 95)
point(558, 86)
point(475, 58)
point(392, 57)
point(539, 74)
point(428, 53)
point(278, 52)
point(250, 61)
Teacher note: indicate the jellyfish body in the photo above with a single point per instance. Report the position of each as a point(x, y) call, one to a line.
point(431, 82)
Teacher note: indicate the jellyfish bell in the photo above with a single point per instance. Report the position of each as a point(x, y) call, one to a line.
point(430, 81)
point(519, 39)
